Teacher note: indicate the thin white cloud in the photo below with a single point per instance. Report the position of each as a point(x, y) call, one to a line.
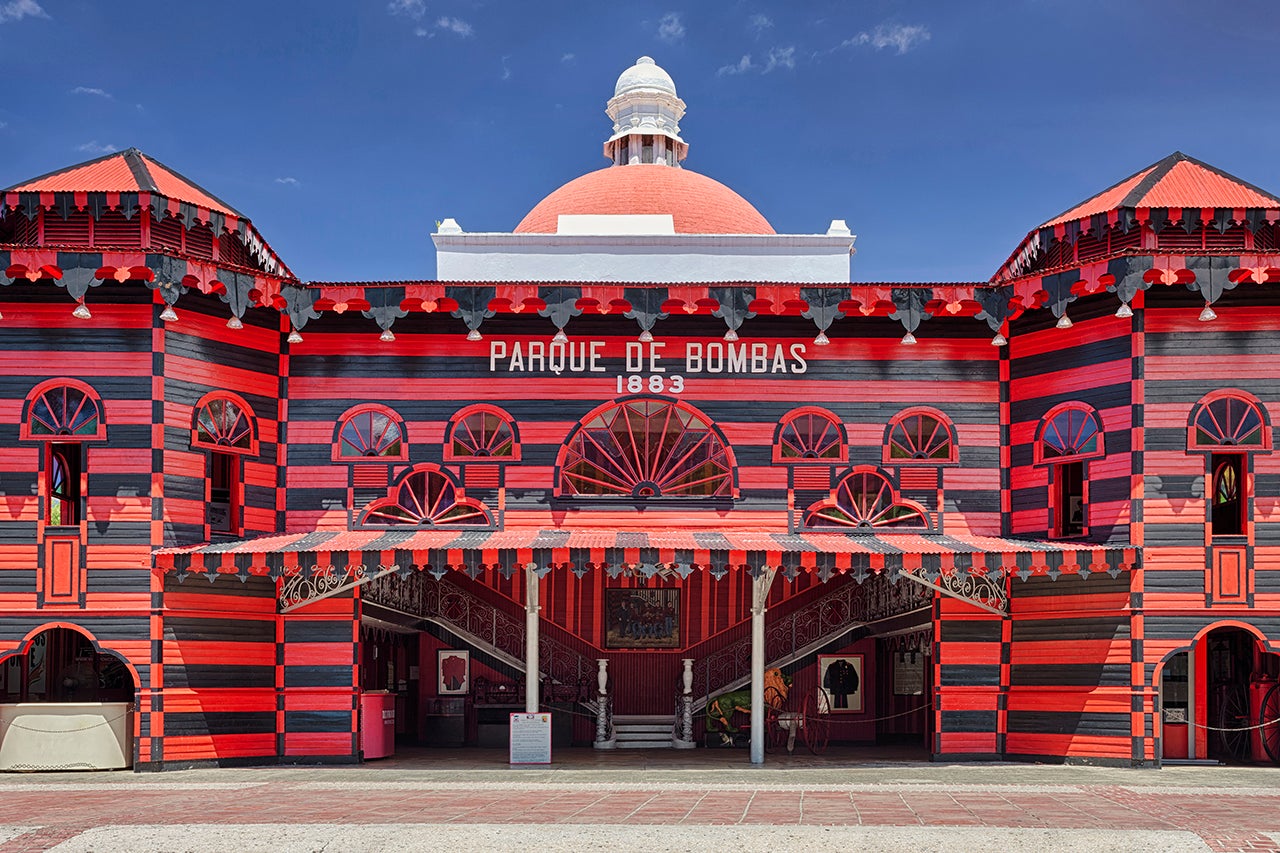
point(506, 71)
point(91, 90)
point(780, 57)
point(92, 147)
point(455, 25)
point(742, 66)
point(568, 57)
point(414, 9)
point(422, 32)
point(896, 36)
point(16, 10)
point(759, 23)
point(3, 125)
point(670, 28)
point(292, 182)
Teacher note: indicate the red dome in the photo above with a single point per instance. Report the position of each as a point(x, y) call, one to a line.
point(697, 204)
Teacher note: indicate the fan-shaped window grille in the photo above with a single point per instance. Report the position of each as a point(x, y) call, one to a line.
point(866, 500)
point(810, 435)
point(920, 436)
point(370, 432)
point(223, 423)
point(65, 411)
point(646, 447)
point(1229, 421)
point(1069, 432)
point(481, 433)
point(427, 497)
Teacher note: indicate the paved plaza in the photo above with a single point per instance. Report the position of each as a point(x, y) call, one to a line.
point(471, 800)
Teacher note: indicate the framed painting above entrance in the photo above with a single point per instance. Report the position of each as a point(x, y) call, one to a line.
point(840, 680)
point(642, 619)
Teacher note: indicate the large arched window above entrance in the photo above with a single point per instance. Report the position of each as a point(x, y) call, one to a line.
point(427, 497)
point(646, 447)
point(370, 432)
point(866, 501)
point(810, 435)
point(63, 410)
point(1069, 432)
point(223, 422)
point(1230, 421)
point(920, 436)
point(481, 433)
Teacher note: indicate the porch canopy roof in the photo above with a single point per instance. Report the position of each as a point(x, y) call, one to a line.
point(359, 553)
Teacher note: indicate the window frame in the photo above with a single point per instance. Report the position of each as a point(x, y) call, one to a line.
point(1058, 501)
point(953, 456)
point(484, 409)
point(25, 432)
point(730, 459)
point(887, 486)
point(246, 410)
point(369, 408)
point(842, 438)
point(72, 453)
point(1062, 408)
point(1219, 463)
point(1217, 453)
point(403, 482)
point(233, 468)
point(1194, 445)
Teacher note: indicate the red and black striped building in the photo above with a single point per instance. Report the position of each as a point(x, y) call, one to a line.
point(241, 502)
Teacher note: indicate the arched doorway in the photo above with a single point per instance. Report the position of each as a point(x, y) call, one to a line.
point(62, 665)
point(1210, 696)
point(65, 704)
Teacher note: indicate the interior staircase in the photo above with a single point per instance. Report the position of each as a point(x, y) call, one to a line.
point(637, 731)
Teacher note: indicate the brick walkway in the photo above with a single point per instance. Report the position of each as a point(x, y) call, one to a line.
point(937, 806)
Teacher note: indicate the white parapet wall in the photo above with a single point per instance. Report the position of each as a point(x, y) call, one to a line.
point(644, 257)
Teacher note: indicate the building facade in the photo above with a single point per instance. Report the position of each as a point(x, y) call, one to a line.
point(640, 452)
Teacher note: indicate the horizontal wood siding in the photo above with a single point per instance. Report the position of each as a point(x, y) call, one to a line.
point(430, 372)
point(1091, 363)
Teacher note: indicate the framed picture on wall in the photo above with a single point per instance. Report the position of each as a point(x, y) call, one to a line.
point(453, 667)
point(642, 619)
point(841, 682)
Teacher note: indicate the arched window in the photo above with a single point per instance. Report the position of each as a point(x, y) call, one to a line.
point(646, 447)
point(810, 435)
point(1228, 427)
point(481, 433)
point(865, 500)
point(64, 414)
point(920, 436)
point(426, 496)
point(1067, 436)
point(1071, 430)
point(1229, 420)
point(224, 422)
point(370, 433)
point(63, 410)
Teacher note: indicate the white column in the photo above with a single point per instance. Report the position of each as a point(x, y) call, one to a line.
point(531, 608)
point(759, 595)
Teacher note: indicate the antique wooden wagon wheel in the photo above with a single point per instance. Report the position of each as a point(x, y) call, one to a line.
point(815, 724)
point(1269, 719)
point(1233, 721)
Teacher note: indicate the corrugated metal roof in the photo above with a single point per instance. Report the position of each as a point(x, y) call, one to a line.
point(1175, 181)
point(126, 171)
point(592, 538)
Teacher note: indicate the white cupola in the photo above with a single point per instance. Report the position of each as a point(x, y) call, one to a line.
point(646, 117)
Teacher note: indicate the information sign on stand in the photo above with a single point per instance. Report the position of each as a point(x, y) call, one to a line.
point(530, 738)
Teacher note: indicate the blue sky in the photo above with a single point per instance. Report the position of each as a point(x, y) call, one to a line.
point(942, 132)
